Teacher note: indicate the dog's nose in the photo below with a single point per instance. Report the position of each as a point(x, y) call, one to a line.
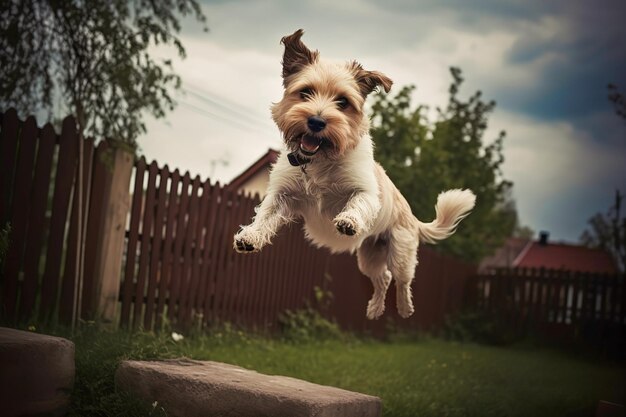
point(316, 123)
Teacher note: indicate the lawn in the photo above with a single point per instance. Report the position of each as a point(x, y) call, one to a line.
point(426, 377)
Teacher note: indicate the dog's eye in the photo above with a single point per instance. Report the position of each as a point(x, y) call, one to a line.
point(306, 93)
point(343, 103)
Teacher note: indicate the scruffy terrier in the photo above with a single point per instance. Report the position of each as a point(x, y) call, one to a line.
point(328, 177)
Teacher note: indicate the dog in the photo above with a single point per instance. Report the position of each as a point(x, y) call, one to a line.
point(327, 176)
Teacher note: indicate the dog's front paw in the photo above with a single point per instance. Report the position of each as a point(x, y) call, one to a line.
point(346, 225)
point(245, 244)
point(242, 246)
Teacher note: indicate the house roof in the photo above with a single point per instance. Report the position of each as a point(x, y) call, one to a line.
point(566, 256)
point(263, 163)
point(505, 255)
point(526, 253)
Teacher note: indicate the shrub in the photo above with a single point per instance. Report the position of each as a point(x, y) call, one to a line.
point(309, 324)
point(478, 327)
point(4, 242)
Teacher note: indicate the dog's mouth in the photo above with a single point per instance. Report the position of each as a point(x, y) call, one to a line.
point(309, 145)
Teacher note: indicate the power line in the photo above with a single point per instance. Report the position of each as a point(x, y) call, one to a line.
point(226, 105)
point(218, 117)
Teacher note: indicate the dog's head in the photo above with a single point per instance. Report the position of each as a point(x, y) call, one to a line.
point(321, 112)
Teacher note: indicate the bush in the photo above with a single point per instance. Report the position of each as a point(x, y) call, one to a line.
point(307, 325)
point(4, 242)
point(478, 327)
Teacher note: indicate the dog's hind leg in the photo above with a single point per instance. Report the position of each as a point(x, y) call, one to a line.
point(402, 260)
point(372, 261)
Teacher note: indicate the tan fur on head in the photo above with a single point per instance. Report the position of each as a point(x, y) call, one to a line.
point(314, 87)
point(346, 200)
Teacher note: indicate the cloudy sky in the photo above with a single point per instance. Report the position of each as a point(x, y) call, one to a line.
point(546, 64)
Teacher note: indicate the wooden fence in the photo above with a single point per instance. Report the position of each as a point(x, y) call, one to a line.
point(38, 201)
point(167, 255)
point(554, 302)
point(180, 265)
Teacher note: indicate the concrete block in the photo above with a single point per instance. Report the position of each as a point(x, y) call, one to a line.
point(203, 388)
point(36, 373)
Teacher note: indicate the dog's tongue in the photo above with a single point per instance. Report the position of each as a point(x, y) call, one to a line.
point(310, 143)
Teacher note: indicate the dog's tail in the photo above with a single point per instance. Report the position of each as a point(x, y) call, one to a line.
point(452, 207)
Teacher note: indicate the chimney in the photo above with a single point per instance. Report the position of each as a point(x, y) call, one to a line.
point(543, 238)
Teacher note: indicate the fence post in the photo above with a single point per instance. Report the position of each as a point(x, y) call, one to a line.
point(116, 204)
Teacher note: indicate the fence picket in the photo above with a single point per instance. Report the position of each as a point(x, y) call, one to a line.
point(146, 245)
point(36, 222)
point(101, 181)
point(205, 279)
point(132, 240)
point(66, 305)
point(64, 180)
point(20, 208)
point(193, 314)
point(167, 248)
point(177, 256)
point(188, 258)
point(216, 222)
point(156, 252)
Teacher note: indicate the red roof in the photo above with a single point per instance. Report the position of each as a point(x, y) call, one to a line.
point(262, 163)
point(505, 255)
point(568, 257)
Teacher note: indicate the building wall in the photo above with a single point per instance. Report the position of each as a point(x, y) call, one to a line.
point(256, 184)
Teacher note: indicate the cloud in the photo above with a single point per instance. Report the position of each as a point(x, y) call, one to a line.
point(561, 175)
point(545, 63)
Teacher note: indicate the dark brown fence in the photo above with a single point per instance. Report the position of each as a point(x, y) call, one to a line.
point(180, 265)
point(38, 200)
point(438, 291)
point(175, 261)
point(554, 302)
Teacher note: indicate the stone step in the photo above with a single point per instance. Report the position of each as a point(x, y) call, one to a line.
point(192, 388)
point(36, 373)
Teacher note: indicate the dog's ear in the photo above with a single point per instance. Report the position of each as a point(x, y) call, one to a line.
point(368, 81)
point(297, 55)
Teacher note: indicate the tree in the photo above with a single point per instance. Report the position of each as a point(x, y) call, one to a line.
point(424, 158)
point(607, 231)
point(617, 98)
point(93, 58)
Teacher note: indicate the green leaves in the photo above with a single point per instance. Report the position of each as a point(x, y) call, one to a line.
point(424, 158)
point(91, 59)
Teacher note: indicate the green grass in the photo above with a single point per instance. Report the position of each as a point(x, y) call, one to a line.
point(426, 377)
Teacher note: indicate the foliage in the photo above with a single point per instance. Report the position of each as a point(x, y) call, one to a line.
point(5, 233)
point(607, 231)
point(309, 323)
point(478, 327)
point(306, 325)
point(93, 58)
point(424, 159)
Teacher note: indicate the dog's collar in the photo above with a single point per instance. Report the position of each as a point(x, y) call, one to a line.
point(296, 160)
